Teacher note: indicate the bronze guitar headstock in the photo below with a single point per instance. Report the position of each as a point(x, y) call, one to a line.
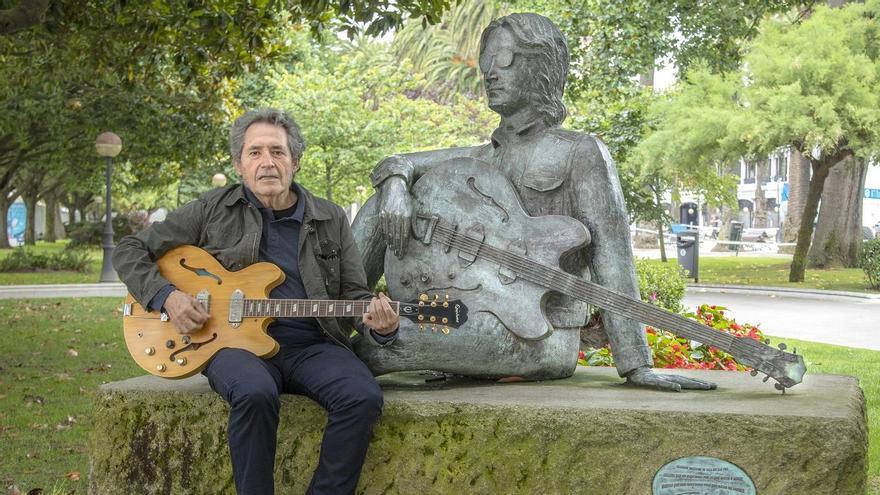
point(787, 368)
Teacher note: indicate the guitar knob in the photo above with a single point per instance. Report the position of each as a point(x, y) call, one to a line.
point(186, 339)
point(160, 368)
point(405, 280)
point(169, 344)
point(451, 275)
point(181, 361)
point(425, 278)
point(149, 351)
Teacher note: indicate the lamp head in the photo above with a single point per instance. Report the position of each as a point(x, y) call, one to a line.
point(108, 144)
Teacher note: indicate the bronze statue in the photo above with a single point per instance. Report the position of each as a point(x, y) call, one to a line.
point(512, 330)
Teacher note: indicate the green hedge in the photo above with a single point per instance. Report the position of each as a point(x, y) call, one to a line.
point(662, 284)
point(870, 260)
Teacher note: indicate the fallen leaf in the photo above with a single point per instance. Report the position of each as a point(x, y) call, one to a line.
point(32, 455)
point(73, 475)
point(63, 376)
point(72, 352)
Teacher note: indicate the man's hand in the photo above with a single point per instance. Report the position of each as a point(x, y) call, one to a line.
point(395, 214)
point(646, 377)
point(380, 317)
point(185, 312)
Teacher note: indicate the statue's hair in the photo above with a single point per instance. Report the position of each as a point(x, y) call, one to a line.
point(549, 52)
point(295, 141)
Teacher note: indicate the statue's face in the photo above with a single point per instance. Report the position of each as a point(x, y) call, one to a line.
point(505, 70)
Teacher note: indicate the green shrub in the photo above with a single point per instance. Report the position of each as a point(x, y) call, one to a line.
point(869, 259)
point(26, 260)
point(92, 233)
point(661, 284)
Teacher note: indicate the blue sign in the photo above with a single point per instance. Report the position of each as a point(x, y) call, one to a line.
point(872, 193)
point(16, 220)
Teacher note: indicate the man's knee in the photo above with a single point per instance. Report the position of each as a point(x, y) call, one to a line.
point(260, 398)
point(363, 400)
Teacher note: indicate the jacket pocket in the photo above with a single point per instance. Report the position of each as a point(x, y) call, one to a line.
point(327, 256)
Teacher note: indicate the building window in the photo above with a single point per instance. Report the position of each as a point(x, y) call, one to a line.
point(750, 173)
point(782, 166)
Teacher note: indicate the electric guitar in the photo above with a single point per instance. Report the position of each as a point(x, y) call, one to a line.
point(240, 311)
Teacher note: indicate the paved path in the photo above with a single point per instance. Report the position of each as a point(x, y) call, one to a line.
point(820, 316)
point(831, 318)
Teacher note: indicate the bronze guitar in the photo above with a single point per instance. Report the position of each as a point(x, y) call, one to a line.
point(240, 312)
point(473, 236)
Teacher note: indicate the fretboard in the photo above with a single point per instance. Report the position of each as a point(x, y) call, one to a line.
point(307, 308)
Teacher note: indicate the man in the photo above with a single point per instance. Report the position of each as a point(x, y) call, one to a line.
point(269, 217)
point(524, 61)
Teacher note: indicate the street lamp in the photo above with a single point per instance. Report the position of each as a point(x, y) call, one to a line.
point(108, 145)
point(219, 180)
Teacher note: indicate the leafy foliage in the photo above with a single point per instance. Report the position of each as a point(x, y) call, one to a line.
point(662, 284)
point(869, 258)
point(671, 351)
point(24, 259)
point(356, 107)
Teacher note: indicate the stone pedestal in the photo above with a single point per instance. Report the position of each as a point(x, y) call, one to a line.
point(587, 434)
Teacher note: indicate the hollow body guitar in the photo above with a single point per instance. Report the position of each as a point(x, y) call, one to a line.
point(468, 222)
point(240, 311)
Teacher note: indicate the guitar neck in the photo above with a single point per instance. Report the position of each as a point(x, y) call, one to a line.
point(307, 308)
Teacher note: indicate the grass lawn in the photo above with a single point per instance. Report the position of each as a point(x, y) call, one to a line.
point(773, 272)
point(53, 277)
point(56, 354)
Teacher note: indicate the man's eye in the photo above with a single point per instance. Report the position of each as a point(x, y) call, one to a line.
point(278, 152)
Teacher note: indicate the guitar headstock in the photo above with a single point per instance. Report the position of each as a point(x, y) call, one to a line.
point(787, 368)
point(435, 314)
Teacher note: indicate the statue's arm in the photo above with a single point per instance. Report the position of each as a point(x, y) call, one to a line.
point(598, 203)
point(392, 179)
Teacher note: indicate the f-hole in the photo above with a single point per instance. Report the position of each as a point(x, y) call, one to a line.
point(201, 272)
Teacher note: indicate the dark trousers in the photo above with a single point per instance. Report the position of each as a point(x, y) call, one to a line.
point(330, 375)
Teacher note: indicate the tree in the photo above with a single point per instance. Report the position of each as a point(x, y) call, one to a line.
point(355, 106)
point(810, 86)
point(447, 53)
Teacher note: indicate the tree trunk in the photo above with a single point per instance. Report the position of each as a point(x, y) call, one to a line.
point(838, 236)
point(60, 232)
point(30, 231)
point(5, 203)
point(328, 175)
point(661, 224)
point(798, 186)
point(821, 168)
point(51, 206)
point(762, 173)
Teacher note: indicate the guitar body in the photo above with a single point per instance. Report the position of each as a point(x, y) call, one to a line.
point(155, 344)
point(481, 204)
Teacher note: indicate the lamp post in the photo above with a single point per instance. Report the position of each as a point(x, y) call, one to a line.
point(108, 145)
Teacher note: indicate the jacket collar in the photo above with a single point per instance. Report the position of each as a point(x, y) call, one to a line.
point(314, 209)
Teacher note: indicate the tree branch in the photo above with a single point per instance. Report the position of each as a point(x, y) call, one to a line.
point(26, 14)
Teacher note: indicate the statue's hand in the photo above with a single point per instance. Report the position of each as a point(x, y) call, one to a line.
point(646, 377)
point(395, 214)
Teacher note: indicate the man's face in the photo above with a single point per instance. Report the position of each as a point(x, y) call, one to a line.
point(266, 166)
point(505, 70)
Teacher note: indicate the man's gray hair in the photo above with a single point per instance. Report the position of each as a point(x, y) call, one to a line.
point(548, 49)
point(295, 141)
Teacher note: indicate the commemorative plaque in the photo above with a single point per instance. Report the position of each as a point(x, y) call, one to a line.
point(702, 475)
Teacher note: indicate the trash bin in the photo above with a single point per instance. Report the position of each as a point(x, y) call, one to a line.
point(736, 234)
point(688, 247)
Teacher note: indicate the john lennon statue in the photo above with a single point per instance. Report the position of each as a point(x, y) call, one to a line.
point(553, 171)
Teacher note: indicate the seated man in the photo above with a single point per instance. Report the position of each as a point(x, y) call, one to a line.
point(269, 217)
point(524, 61)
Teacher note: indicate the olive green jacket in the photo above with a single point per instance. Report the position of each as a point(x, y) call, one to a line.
point(229, 227)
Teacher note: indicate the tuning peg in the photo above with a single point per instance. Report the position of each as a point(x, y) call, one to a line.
point(423, 297)
point(767, 341)
point(436, 296)
point(434, 328)
point(766, 377)
point(753, 372)
point(794, 350)
point(445, 330)
point(446, 302)
point(421, 328)
point(782, 346)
